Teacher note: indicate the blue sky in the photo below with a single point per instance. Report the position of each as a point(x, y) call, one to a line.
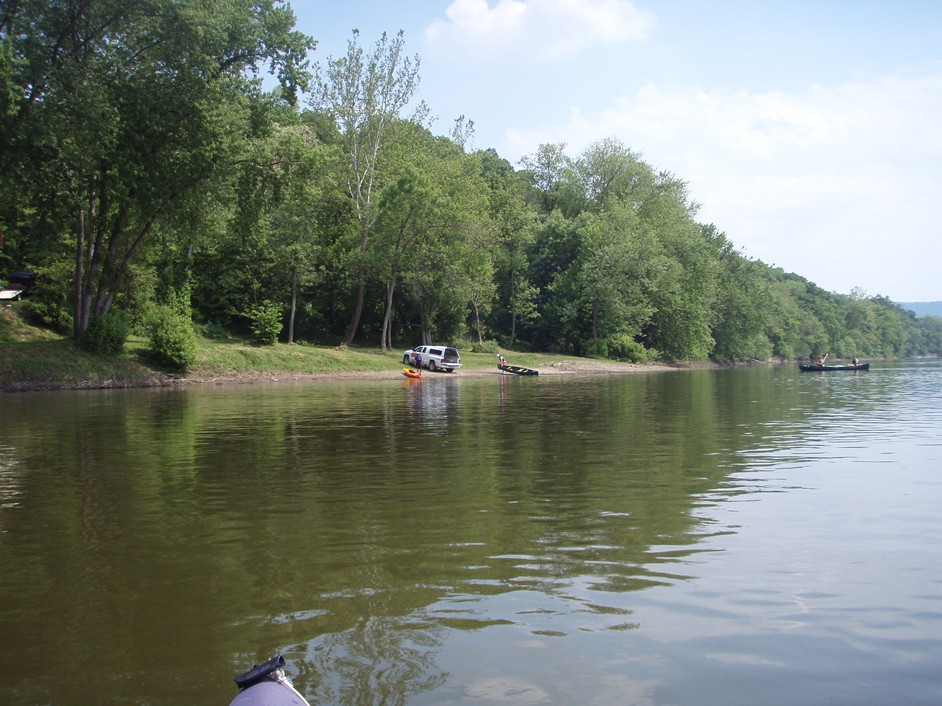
point(809, 131)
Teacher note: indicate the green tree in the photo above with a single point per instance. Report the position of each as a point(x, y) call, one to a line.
point(406, 211)
point(122, 111)
point(364, 94)
point(444, 256)
point(610, 172)
point(742, 314)
point(514, 223)
point(298, 234)
point(553, 176)
point(615, 269)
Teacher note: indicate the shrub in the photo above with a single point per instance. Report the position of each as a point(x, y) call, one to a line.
point(266, 322)
point(106, 335)
point(50, 303)
point(214, 331)
point(47, 315)
point(624, 347)
point(488, 346)
point(172, 338)
point(597, 348)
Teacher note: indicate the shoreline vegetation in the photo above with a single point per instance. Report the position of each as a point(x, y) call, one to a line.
point(309, 211)
point(33, 359)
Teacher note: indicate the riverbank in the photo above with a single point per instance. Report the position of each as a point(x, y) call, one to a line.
point(550, 366)
point(33, 359)
point(123, 377)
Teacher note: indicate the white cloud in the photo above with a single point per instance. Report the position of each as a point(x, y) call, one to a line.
point(786, 173)
point(537, 29)
point(890, 118)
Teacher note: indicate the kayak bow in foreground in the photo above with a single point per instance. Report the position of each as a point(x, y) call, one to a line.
point(266, 685)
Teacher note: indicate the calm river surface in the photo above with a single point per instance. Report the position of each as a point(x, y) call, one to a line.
point(745, 536)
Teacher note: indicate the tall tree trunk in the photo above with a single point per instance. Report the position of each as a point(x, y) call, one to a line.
point(387, 314)
point(596, 307)
point(477, 322)
point(88, 265)
point(105, 271)
point(358, 309)
point(79, 260)
point(361, 284)
point(513, 308)
point(188, 263)
point(424, 338)
point(294, 303)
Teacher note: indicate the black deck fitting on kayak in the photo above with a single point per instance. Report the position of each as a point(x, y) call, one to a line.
point(259, 672)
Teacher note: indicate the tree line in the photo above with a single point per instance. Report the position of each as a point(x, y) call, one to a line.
point(152, 180)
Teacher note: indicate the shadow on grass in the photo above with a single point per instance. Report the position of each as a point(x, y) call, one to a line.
point(59, 363)
point(155, 364)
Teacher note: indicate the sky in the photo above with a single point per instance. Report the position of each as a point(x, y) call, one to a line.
point(809, 131)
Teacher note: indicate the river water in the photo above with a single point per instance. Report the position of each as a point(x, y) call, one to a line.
point(736, 536)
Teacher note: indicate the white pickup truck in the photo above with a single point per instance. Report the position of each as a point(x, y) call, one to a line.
point(434, 357)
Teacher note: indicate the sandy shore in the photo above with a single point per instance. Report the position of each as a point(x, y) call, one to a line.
point(196, 377)
point(565, 367)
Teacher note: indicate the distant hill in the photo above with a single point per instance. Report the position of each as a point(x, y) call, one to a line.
point(923, 308)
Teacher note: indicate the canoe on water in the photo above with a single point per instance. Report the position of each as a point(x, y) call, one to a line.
point(814, 367)
point(518, 370)
point(411, 373)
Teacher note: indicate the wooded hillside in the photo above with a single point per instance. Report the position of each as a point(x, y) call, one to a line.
point(151, 182)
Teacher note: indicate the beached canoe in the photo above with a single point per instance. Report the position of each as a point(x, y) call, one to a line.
point(518, 370)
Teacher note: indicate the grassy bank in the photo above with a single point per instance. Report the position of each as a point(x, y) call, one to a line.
point(35, 359)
